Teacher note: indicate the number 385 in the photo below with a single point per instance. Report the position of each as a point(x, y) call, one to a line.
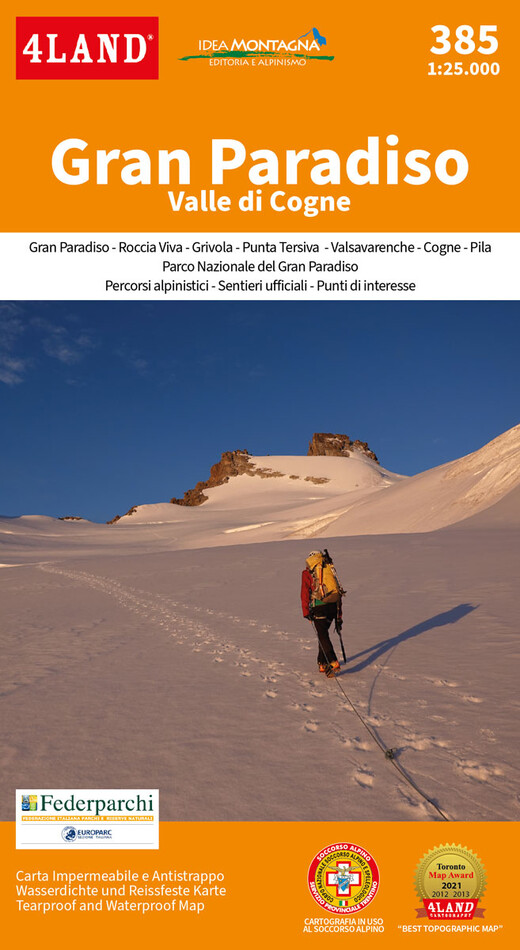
point(465, 42)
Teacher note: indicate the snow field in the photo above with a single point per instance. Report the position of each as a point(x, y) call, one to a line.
point(194, 671)
point(160, 652)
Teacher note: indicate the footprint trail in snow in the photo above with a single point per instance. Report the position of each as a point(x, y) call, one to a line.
point(318, 705)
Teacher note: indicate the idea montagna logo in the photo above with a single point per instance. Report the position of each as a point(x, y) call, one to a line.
point(247, 50)
point(87, 48)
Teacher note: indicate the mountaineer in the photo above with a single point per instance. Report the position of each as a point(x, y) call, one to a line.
point(321, 595)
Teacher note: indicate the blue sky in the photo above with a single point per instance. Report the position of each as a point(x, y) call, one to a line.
point(106, 405)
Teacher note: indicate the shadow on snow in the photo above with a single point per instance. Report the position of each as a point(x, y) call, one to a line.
point(439, 620)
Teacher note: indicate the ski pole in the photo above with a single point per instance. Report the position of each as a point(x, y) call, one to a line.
point(338, 631)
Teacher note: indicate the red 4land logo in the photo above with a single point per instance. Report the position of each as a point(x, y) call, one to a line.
point(87, 47)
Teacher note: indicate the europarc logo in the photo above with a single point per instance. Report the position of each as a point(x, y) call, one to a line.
point(87, 818)
point(69, 47)
point(253, 51)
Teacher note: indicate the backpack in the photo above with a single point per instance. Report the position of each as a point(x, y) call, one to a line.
point(326, 588)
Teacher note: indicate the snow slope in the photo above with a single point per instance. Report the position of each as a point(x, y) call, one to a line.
point(352, 501)
point(289, 488)
point(175, 654)
point(194, 671)
point(312, 498)
point(443, 495)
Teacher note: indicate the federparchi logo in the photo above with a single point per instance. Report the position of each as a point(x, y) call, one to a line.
point(52, 804)
point(87, 818)
point(255, 51)
point(343, 878)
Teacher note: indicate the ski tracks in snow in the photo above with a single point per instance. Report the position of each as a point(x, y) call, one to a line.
point(318, 706)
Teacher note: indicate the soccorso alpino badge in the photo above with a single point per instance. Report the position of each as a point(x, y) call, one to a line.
point(343, 878)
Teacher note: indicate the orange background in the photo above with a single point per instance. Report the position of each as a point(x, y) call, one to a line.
point(266, 865)
point(377, 85)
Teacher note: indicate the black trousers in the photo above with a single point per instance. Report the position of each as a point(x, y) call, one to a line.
point(322, 622)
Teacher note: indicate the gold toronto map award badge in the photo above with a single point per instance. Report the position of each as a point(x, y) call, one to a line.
point(343, 878)
point(450, 880)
